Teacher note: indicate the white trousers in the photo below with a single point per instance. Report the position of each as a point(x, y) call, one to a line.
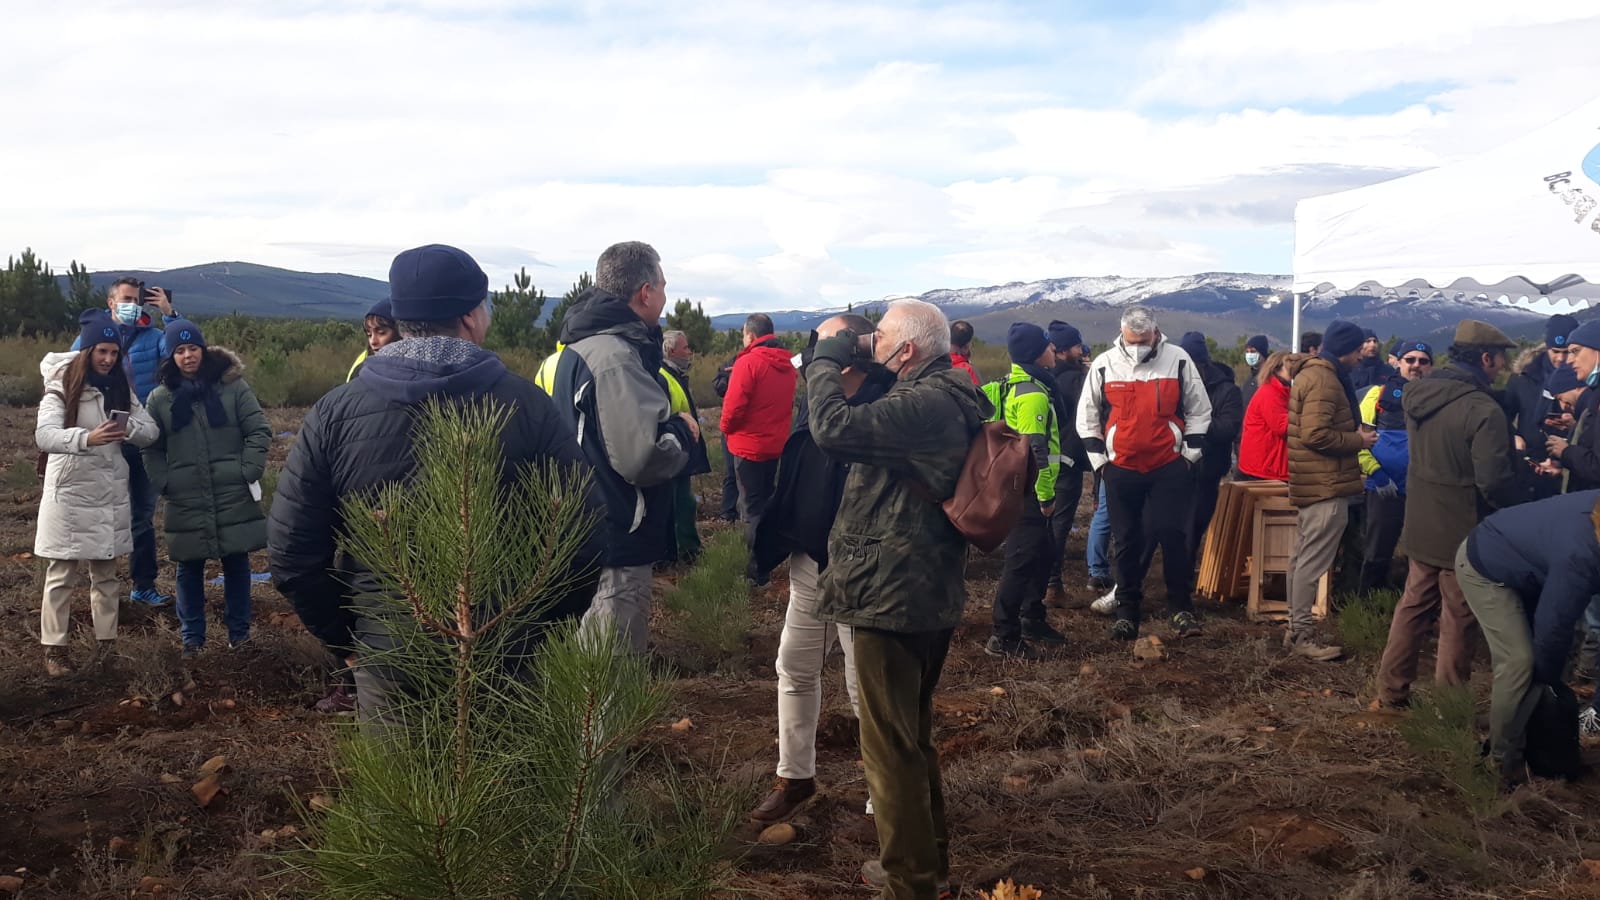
point(59, 578)
point(622, 600)
point(802, 650)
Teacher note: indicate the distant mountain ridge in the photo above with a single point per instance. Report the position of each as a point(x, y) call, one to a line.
point(1224, 305)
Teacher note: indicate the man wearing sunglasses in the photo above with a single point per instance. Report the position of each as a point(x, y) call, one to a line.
point(1384, 465)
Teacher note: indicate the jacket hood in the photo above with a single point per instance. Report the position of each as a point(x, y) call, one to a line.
point(53, 368)
point(601, 312)
point(1217, 373)
point(431, 367)
point(1534, 362)
point(1301, 362)
point(770, 354)
point(221, 366)
point(1427, 397)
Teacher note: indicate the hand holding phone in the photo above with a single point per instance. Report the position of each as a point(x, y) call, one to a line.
point(120, 417)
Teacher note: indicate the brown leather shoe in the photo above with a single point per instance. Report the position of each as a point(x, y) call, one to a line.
point(1055, 598)
point(787, 796)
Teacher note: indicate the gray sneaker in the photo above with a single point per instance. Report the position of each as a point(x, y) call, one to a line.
point(873, 875)
point(1307, 645)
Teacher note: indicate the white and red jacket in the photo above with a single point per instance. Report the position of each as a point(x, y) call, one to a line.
point(1141, 416)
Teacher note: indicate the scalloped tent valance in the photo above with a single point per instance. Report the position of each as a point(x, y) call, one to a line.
point(1528, 210)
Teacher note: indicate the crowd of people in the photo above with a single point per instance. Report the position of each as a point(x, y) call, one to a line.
point(1491, 495)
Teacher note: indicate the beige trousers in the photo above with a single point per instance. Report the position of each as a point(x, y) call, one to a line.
point(104, 590)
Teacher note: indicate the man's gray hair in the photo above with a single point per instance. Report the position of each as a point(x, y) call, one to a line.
point(1139, 319)
point(669, 340)
point(920, 323)
point(624, 268)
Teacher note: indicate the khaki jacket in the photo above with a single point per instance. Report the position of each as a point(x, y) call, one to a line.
point(1323, 441)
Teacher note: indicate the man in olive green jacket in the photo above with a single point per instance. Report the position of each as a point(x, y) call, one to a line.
point(897, 568)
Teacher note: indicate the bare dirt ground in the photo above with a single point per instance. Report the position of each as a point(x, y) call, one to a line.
point(1224, 770)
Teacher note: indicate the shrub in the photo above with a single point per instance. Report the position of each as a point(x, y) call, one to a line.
point(503, 773)
point(709, 608)
point(522, 361)
point(1364, 621)
point(17, 390)
point(1442, 727)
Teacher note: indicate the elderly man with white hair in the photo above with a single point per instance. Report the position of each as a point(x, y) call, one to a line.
point(897, 568)
point(1143, 417)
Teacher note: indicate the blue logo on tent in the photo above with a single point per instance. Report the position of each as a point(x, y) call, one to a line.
point(1591, 164)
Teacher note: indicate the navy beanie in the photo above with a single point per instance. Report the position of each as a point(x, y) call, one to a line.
point(1258, 343)
point(1585, 335)
point(1064, 337)
point(1557, 330)
point(96, 327)
point(383, 309)
point(435, 283)
point(183, 332)
point(1413, 345)
point(1367, 334)
point(1342, 338)
point(1026, 342)
point(1194, 344)
point(1563, 379)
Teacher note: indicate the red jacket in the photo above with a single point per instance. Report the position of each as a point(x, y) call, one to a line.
point(760, 401)
point(1264, 442)
point(961, 361)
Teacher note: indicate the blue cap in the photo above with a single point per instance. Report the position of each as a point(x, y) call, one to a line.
point(1413, 345)
point(1563, 379)
point(383, 309)
point(1586, 335)
point(1194, 344)
point(95, 326)
point(435, 283)
point(1064, 337)
point(183, 331)
point(1026, 342)
point(1258, 343)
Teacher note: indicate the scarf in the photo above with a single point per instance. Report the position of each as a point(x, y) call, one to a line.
point(191, 391)
point(106, 383)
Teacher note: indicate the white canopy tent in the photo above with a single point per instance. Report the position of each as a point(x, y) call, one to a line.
point(1528, 210)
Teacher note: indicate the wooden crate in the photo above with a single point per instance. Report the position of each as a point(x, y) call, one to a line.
point(1273, 548)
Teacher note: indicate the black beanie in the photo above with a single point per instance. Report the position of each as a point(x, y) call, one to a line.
point(1194, 344)
point(435, 283)
point(1258, 343)
point(1342, 338)
point(1026, 342)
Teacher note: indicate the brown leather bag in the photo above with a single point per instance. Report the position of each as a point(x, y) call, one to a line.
point(996, 480)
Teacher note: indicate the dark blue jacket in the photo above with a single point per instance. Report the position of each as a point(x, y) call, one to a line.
point(143, 349)
point(1546, 551)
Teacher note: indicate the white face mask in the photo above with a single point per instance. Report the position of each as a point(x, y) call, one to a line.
point(1252, 358)
point(1141, 352)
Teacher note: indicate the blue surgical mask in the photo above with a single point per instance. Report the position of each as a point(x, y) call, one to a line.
point(129, 313)
point(1252, 358)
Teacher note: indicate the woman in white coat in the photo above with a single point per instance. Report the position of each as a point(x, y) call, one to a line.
point(88, 410)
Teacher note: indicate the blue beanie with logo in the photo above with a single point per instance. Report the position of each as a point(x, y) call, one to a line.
point(183, 332)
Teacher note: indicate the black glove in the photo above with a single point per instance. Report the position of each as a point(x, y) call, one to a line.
point(841, 348)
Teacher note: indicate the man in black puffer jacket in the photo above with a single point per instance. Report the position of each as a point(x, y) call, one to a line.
point(1534, 418)
point(358, 438)
point(1071, 369)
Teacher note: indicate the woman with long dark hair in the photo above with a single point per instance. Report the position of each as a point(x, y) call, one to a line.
point(87, 411)
point(208, 464)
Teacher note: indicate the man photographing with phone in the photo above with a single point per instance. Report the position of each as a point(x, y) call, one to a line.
point(135, 308)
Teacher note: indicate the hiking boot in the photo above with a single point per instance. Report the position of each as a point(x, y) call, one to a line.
point(58, 662)
point(1184, 624)
point(1016, 648)
point(150, 597)
point(241, 644)
point(1124, 630)
point(1307, 645)
point(191, 651)
point(873, 875)
point(1055, 597)
point(786, 797)
point(1040, 631)
point(339, 702)
point(1589, 722)
point(1106, 604)
point(1101, 583)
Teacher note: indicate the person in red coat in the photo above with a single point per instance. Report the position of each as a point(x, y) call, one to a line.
point(961, 348)
point(756, 414)
point(1264, 442)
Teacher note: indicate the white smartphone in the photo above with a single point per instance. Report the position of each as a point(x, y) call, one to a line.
point(121, 418)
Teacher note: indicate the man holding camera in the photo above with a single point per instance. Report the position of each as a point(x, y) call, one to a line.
point(143, 348)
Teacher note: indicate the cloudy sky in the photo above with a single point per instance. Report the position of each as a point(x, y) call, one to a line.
point(778, 154)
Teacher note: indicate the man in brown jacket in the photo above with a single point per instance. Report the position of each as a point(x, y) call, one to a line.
point(1461, 470)
point(1324, 476)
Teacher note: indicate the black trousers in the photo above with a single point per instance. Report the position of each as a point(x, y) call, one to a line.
point(1027, 568)
point(756, 481)
point(730, 485)
point(1167, 493)
point(1385, 515)
point(1069, 490)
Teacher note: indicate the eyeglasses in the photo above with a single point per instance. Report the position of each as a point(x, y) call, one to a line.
point(1417, 361)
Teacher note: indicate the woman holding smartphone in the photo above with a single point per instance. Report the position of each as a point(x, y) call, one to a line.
point(207, 464)
point(88, 410)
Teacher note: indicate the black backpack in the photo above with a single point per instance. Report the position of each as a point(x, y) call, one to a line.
point(1552, 738)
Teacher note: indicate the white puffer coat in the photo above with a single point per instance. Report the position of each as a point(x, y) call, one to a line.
point(84, 513)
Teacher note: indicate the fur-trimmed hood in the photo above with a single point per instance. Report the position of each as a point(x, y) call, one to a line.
point(221, 366)
point(1528, 361)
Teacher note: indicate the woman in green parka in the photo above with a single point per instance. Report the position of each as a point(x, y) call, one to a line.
point(208, 464)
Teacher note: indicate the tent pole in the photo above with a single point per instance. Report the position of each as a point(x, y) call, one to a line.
point(1294, 328)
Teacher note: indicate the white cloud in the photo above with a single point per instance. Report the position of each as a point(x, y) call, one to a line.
point(777, 154)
